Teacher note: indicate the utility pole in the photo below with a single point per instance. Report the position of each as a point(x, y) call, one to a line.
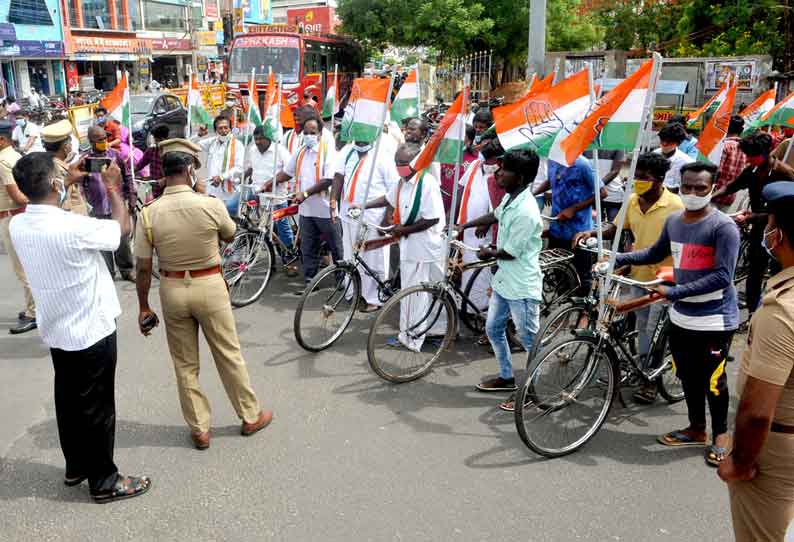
point(536, 41)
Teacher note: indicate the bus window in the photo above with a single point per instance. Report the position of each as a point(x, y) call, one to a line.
point(312, 62)
point(256, 52)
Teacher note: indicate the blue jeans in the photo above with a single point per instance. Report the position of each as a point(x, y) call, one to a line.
point(232, 204)
point(526, 317)
point(283, 229)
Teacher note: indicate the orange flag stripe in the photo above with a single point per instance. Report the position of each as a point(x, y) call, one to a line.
point(376, 90)
point(425, 158)
point(705, 107)
point(765, 97)
point(717, 128)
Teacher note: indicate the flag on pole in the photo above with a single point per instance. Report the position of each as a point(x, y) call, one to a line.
point(710, 106)
point(198, 115)
point(272, 121)
point(445, 145)
point(782, 114)
point(117, 102)
point(539, 85)
point(614, 122)
point(254, 116)
point(760, 107)
point(331, 103)
point(712, 139)
point(364, 111)
point(537, 120)
point(406, 103)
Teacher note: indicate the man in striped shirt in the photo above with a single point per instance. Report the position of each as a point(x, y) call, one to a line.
point(77, 308)
point(704, 244)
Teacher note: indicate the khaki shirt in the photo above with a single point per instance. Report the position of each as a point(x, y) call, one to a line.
point(780, 152)
point(186, 228)
point(8, 158)
point(74, 197)
point(769, 356)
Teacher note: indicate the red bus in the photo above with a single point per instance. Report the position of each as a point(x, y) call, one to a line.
point(301, 60)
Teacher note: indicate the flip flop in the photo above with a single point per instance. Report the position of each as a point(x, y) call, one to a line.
point(715, 455)
point(679, 439)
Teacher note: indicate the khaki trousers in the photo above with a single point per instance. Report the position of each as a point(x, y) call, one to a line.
point(30, 306)
point(763, 507)
point(187, 304)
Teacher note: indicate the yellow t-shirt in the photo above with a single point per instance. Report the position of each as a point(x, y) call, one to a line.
point(647, 228)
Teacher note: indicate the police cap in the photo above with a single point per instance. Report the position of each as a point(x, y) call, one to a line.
point(779, 196)
point(180, 145)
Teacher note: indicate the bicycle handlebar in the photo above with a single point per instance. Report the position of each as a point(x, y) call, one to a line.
point(353, 220)
point(549, 218)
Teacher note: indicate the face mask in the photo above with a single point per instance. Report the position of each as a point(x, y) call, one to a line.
point(490, 169)
point(404, 171)
point(310, 140)
point(477, 139)
point(641, 187)
point(766, 247)
point(223, 138)
point(362, 148)
point(230, 103)
point(695, 203)
point(101, 146)
point(21, 122)
point(100, 121)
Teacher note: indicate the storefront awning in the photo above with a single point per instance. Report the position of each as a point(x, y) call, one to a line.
point(103, 57)
point(7, 32)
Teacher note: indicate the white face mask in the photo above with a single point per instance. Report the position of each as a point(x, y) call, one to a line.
point(362, 148)
point(695, 203)
point(57, 184)
point(490, 169)
point(310, 140)
point(223, 138)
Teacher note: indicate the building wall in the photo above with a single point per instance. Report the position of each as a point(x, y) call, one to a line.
point(280, 7)
point(29, 32)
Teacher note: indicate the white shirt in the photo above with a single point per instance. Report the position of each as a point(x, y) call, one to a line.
point(76, 302)
point(679, 159)
point(382, 171)
point(293, 140)
point(425, 246)
point(263, 165)
point(317, 205)
point(22, 135)
point(216, 152)
point(479, 202)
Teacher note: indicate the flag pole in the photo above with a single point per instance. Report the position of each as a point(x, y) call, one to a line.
point(378, 139)
point(277, 134)
point(461, 138)
point(596, 172)
point(645, 126)
point(418, 91)
point(129, 130)
point(189, 88)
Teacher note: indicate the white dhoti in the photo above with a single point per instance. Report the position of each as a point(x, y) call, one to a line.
point(377, 260)
point(479, 291)
point(415, 314)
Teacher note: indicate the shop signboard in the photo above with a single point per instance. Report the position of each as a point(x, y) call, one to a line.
point(72, 76)
point(314, 20)
point(206, 38)
point(33, 49)
point(211, 9)
point(169, 44)
point(744, 72)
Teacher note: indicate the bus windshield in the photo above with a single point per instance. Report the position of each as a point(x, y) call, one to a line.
point(256, 52)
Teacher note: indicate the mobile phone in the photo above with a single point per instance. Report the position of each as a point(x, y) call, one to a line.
point(96, 165)
point(149, 323)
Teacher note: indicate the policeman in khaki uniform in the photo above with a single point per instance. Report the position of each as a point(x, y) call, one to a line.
point(760, 469)
point(57, 140)
point(184, 227)
point(12, 202)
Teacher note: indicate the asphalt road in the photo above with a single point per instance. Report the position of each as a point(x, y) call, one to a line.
point(348, 457)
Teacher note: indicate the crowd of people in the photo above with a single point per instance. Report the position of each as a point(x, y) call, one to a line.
point(681, 213)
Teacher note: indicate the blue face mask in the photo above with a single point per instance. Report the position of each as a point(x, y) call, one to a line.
point(766, 247)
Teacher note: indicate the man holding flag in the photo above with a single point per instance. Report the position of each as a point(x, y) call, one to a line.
point(225, 157)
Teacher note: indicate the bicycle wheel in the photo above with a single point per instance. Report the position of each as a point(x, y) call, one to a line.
point(326, 307)
point(562, 321)
point(247, 267)
point(668, 383)
point(566, 397)
point(560, 281)
point(407, 337)
point(743, 261)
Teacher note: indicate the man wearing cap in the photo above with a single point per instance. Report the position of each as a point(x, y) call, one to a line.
point(184, 228)
point(760, 470)
point(57, 139)
point(12, 202)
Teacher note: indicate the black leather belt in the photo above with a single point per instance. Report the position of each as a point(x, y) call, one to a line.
point(782, 428)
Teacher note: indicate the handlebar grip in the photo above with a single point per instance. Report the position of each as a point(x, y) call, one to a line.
point(638, 303)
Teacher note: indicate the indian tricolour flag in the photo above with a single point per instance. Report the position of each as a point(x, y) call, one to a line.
point(254, 116)
point(198, 115)
point(446, 143)
point(710, 106)
point(782, 114)
point(331, 102)
point(406, 103)
point(712, 139)
point(272, 115)
point(117, 102)
point(365, 110)
point(539, 85)
point(537, 121)
point(760, 107)
point(614, 122)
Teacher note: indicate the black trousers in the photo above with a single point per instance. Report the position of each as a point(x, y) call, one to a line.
point(700, 358)
point(582, 260)
point(313, 232)
point(121, 257)
point(85, 408)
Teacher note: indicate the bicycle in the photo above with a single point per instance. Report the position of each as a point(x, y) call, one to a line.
point(248, 260)
point(572, 383)
point(331, 299)
point(398, 318)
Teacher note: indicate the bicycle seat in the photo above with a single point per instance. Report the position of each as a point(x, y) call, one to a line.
point(666, 275)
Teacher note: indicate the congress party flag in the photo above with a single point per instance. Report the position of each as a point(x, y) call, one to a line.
point(331, 102)
point(364, 113)
point(712, 139)
point(446, 143)
point(254, 116)
point(537, 121)
point(710, 106)
point(406, 103)
point(539, 85)
point(760, 107)
point(196, 112)
point(782, 114)
point(272, 121)
point(117, 102)
point(613, 124)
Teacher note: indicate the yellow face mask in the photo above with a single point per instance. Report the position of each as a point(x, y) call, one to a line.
point(641, 187)
point(101, 146)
